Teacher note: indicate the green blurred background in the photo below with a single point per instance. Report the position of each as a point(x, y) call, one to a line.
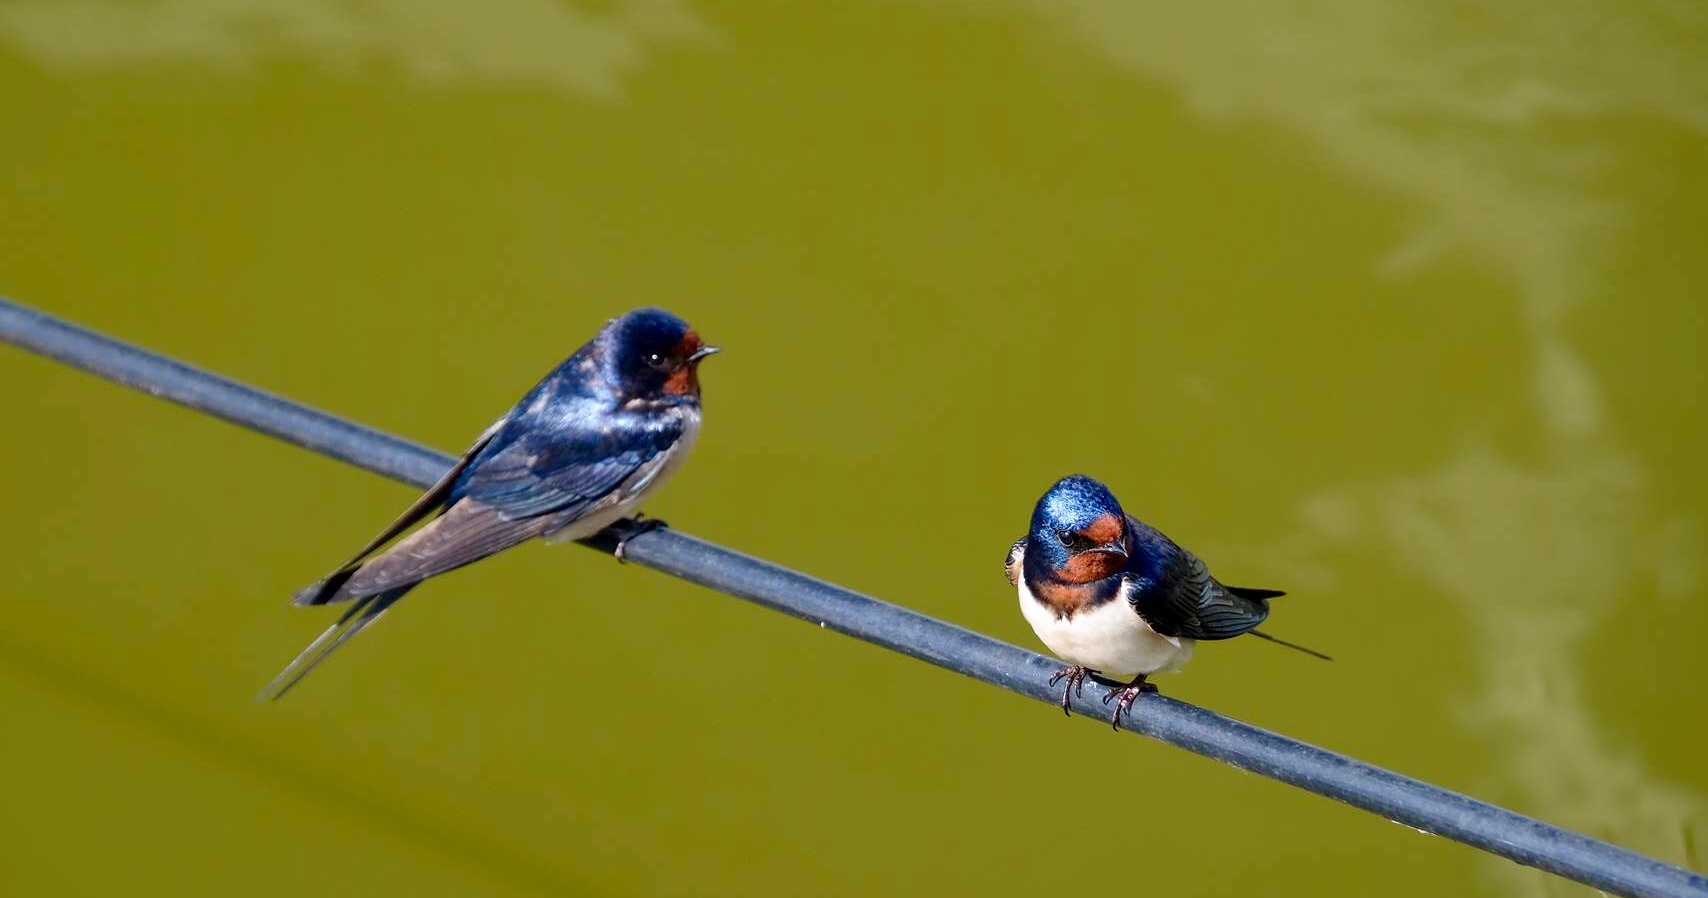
point(1396, 307)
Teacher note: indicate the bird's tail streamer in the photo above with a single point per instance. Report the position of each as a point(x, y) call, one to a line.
point(1292, 645)
point(365, 611)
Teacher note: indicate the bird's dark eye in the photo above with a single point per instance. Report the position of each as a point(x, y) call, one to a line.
point(1078, 542)
point(657, 360)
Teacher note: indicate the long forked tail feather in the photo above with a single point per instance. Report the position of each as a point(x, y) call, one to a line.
point(1292, 645)
point(365, 611)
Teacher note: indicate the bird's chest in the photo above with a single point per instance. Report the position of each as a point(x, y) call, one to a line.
point(1109, 637)
point(670, 460)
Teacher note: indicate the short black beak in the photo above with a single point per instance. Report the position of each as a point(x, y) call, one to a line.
point(704, 351)
point(1110, 548)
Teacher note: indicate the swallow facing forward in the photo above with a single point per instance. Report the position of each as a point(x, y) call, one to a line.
point(579, 452)
point(1113, 596)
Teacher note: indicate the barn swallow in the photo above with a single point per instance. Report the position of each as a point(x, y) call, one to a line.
point(1116, 598)
point(581, 450)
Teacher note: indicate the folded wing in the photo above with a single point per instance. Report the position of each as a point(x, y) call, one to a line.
point(329, 589)
point(513, 490)
point(1186, 601)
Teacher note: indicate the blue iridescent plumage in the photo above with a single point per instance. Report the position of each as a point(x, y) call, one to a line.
point(1103, 588)
point(580, 450)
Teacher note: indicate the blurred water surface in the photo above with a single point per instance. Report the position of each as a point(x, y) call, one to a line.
point(1396, 307)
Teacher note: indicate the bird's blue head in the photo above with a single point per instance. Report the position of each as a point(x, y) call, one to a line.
point(651, 354)
point(1079, 532)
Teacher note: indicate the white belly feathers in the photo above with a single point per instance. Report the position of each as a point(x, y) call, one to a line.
point(1110, 638)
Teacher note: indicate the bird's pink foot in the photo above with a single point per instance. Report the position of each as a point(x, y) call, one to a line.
point(1128, 694)
point(628, 529)
point(1075, 677)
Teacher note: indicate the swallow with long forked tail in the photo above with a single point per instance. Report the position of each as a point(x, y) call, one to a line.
point(1113, 596)
point(581, 450)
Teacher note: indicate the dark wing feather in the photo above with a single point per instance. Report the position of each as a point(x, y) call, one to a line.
point(553, 472)
point(469, 531)
point(1184, 600)
point(329, 588)
point(538, 482)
